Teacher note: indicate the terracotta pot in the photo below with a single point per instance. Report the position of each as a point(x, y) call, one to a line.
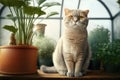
point(40, 28)
point(18, 59)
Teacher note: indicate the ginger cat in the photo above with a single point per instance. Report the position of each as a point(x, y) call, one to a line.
point(72, 54)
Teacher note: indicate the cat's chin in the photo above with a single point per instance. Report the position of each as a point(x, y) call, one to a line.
point(74, 27)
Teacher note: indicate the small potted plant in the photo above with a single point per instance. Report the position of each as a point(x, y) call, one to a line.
point(97, 37)
point(44, 44)
point(20, 57)
point(111, 56)
point(45, 47)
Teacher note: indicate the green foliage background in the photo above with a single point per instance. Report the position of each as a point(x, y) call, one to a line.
point(97, 37)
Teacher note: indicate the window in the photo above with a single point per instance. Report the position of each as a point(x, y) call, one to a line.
point(102, 12)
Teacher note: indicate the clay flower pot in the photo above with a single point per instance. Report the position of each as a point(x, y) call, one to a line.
point(40, 29)
point(18, 59)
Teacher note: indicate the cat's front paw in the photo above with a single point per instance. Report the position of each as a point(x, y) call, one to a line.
point(70, 74)
point(78, 74)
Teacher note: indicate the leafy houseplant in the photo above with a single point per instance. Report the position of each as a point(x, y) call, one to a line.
point(25, 16)
point(45, 49)
point(111, 56)
point(21, 57)
point(44, 44)
point(97, 38)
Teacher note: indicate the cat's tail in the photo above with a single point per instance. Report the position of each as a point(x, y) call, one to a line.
point(47, 69)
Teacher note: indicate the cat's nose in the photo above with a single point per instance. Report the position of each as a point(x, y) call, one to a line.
point(75, 19)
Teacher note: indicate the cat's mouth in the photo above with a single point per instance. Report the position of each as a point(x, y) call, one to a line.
point(75, 23)
point(75, 26)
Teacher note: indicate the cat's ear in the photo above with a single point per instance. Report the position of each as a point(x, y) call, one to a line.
point(86, 12)
point(67, 11)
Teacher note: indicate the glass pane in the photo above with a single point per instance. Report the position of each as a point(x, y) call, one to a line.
point(112, 5)
point(95, 23)
point(117, 27)
point(54, 8)
point(71, 4)
point(96, 8)
point(99, 23)
point(5, 35)
point(5, 12)
point(52, 29)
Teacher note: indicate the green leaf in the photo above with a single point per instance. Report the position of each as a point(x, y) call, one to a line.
point(13, 3)
point(40, 1)
point(50, 4)
point(10, 28)
point(52, 14)
point(30, 10)
point(118, 2)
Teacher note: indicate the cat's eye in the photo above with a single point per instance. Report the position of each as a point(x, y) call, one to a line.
point(81, 16)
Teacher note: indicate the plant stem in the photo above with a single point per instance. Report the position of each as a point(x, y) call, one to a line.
point(19, 26)
point(12, 15)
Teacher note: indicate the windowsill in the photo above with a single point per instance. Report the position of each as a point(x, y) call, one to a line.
point(92, 75)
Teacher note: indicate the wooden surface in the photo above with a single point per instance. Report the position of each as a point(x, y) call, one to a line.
point(91, 75)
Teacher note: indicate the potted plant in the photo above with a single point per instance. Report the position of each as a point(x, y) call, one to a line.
point(97, 37)
point(111, 56)
point(20, 57)
point(44, 44)
point(45, 47)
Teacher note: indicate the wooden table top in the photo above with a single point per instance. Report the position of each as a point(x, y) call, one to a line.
point(91, 75)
